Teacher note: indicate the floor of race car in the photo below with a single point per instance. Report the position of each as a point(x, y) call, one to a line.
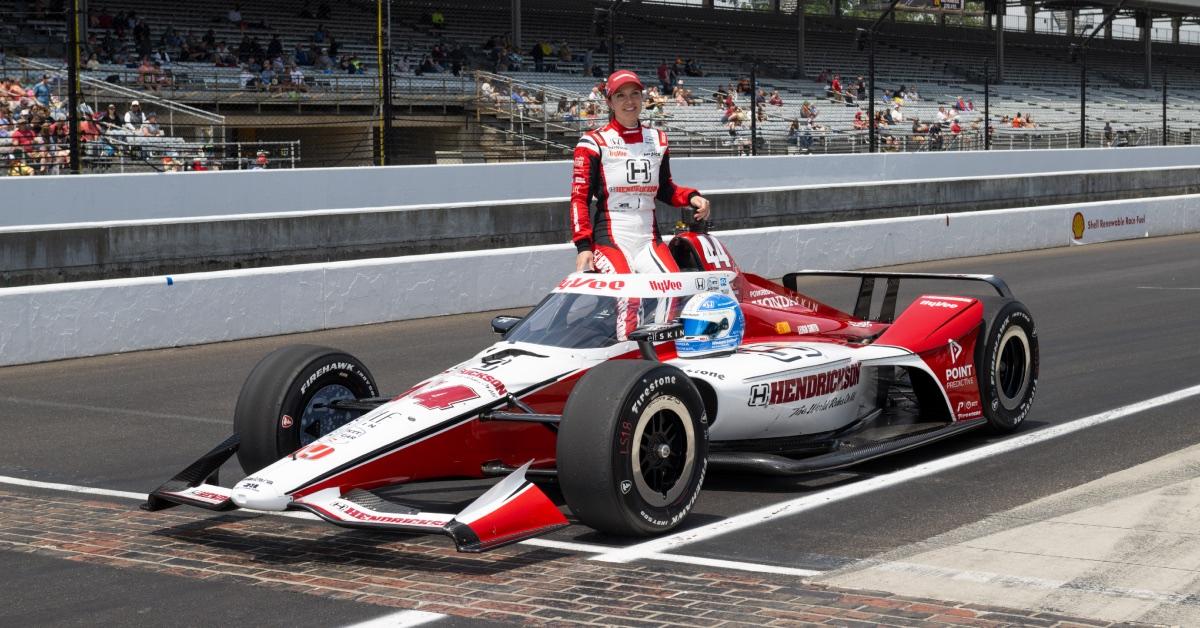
point(1117, 327)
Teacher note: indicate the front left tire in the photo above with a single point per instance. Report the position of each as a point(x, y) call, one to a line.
point(283, 405)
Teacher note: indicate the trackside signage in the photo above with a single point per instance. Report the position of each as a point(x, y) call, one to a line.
point(647, 285)
point(1106, 224)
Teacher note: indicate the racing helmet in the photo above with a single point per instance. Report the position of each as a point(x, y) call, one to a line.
point(712, 323)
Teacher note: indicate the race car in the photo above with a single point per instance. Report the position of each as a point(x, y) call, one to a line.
point(625, 390)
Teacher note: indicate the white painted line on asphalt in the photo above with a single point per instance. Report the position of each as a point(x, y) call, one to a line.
point(87, 490)
point(585, 548)
point(816, 500)
point(116, 411)
point(1164, 288)
point(399, 620)
point(589, 548)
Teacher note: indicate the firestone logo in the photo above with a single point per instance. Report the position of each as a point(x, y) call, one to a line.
point(596, 284)
point(665, 285)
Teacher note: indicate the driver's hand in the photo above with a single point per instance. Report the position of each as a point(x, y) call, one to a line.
point(702, 208)
point(584, 262)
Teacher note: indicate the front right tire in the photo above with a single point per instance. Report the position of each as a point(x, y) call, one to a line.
point(632, 448)
point(1009, 367)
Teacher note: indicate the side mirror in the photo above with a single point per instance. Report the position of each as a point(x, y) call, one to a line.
point(502, 324)
point(650, 334)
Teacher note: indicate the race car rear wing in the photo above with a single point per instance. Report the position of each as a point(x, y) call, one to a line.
point(866, 287)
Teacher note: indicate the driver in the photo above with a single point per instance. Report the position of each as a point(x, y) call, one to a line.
point(624, 167)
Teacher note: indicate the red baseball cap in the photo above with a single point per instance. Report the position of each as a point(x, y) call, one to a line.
point(620, 78)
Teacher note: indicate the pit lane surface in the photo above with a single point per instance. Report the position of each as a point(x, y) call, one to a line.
point(1116, 324)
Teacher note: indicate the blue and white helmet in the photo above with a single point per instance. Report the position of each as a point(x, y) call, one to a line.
point(712, 323)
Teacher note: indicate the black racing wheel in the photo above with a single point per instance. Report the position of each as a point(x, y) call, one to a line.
point(632, 447)
point(284, 404)
point(1009, 367)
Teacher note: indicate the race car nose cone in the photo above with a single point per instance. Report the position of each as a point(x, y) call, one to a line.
point(259, 496)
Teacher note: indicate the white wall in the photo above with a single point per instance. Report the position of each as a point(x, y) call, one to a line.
point(31, 201)
point(57, 321)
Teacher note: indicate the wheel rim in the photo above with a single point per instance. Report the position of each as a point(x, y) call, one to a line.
point(318, 418)
point(664, 451)
point(1012, 368)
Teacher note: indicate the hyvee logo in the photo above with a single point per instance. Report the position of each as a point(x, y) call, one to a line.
point(945, 304)
point(597, 284)
point(665, 285)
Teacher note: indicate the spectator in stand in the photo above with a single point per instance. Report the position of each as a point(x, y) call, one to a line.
point(911, 93)
point(274, 47)
point(761, 97)
point(664, 77)
point(564, 52)
point(134, 118)
point(296, 79)
point(150, 127)
point(597, 93)
point(147, 75)
point(895, 116)
point(859, 122)
point(943, 115)
point(109, 119)
point(824, 75)
point(955, 128)
point(1017, 121)
point(42, 91)
point(17, 166)
point(23, 136)
point(261, 162)
point(835, 89)
point(320, 35)
point(539, 56)
point(325, 62)
point(776, 99)
point(793, 133)
point(959, 104)
point(692, 68)
point(234, 16)
point(1109, 136)
point(1029, 123)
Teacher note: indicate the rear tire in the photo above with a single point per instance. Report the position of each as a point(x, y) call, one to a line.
point(280, 407)
point(632, 448)
point(1009, 367)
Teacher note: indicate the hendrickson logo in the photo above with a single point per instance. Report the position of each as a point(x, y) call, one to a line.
point(665, 285)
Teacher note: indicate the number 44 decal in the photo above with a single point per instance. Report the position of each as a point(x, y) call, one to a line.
point(445, 398)
point(714, 253)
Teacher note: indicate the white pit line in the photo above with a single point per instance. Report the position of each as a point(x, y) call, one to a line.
point(810, 502)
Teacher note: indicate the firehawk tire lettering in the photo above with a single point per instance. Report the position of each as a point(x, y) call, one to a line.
point(1010, 364)
point(622, 416)
point(282, 385)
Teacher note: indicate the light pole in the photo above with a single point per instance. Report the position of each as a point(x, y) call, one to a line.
point(1079, 52)
point(866, 37)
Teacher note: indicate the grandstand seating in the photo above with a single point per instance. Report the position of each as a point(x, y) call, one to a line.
point(943, 63)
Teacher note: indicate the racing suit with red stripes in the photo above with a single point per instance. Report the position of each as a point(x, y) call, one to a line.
point(624, 170)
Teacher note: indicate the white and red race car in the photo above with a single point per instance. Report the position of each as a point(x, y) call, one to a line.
point(627, 427)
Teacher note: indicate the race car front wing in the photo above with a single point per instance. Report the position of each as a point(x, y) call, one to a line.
point(512, 510)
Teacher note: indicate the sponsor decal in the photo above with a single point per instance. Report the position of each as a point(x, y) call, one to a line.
point(827, 404)
point(665, 285)
point(1080, 224)
point(938, 303)
point(633, 189)
point(334, 366)
point(446, 397)
point(863, 324)
point(967, 406)
point(1077, 225)
point(345, 434)
point(806, 387)
point(587, 282)
point(580, 160)
point(257, 479)
point(354, 513)
point(714, 253)
point(782, 327)
point(496, 384)
point(720, 376)
point(649, 392)
point(285, 421)
point(783, 353)
point(955, 351)
point(625, 486)
point(807, 329)
point(579, 180)
point(699, 283)
point(713, 284)
point(315, 451)
point(207, 495)
point(960, 377)
point(637, 171)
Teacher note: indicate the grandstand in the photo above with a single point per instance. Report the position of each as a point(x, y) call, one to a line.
point(304, 86)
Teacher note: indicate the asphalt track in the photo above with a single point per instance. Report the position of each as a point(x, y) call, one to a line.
point(1116, 322)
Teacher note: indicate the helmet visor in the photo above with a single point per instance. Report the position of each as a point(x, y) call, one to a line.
point(698, 327)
